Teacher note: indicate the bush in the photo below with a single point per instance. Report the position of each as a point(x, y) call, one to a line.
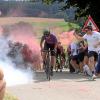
point(9, 97)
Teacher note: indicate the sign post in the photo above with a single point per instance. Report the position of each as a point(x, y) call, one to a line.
point(90, 22)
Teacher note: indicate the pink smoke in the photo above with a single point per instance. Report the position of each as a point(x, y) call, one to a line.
point(67, 37)
point(26, 38)
point(23, 32)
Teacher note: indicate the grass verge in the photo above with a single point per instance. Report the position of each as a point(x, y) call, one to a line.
point(9, 97)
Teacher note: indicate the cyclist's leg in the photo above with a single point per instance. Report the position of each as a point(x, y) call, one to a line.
point(53, 58)
point(63, 60)
point(57, 63)
point(61, 63)
point(53, 61)
point(46, 47)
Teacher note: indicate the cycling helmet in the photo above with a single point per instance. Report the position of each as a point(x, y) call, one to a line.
point(46, 32)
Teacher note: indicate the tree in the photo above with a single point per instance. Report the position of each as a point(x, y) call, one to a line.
point(52, 1)
point(84, 8)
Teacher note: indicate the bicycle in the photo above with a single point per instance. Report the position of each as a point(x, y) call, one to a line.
point(47, 65)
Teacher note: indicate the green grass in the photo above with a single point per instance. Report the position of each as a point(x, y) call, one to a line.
point(9, 97)
point(66, 25)
point(61, 25)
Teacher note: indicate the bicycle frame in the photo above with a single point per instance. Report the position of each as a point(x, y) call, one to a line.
point(48, 65)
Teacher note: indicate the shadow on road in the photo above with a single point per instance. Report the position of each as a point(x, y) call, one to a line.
point(86, 80)
point(41, 77)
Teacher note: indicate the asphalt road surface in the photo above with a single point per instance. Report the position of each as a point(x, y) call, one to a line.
point(63, 86)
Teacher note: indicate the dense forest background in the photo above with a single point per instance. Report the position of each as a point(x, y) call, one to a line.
point(35, 9)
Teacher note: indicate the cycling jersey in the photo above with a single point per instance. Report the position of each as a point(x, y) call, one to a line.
point(51, 39)
point(59, 49)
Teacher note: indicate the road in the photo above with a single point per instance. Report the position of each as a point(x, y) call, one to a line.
point(63, 86)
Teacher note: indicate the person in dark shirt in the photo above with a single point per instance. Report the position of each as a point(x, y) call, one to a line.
point(48, 41)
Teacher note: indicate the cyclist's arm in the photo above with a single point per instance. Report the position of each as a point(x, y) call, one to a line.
point(41, 42)
point(55, 46)
point(56, 43)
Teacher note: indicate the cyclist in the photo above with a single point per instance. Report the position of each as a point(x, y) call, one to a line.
point(58, 56)
point(49, 41)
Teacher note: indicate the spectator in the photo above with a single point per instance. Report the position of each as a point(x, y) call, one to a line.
point(92, 38)
point(2, 85)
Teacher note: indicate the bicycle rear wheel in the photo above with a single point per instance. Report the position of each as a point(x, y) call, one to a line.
point(48, 73)
point(48, 69)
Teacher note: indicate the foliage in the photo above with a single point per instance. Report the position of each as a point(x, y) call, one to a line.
point(84, 8)
point(58, 27)
point(30, 9)
point(9, 97)
point(51, 1)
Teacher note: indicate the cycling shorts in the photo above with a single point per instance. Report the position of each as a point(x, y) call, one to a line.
point(93, 54)
point(51, 47)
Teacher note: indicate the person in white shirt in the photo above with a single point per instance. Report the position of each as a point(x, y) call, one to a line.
point(92, 38)
point(97, 45)
point(74, 57)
